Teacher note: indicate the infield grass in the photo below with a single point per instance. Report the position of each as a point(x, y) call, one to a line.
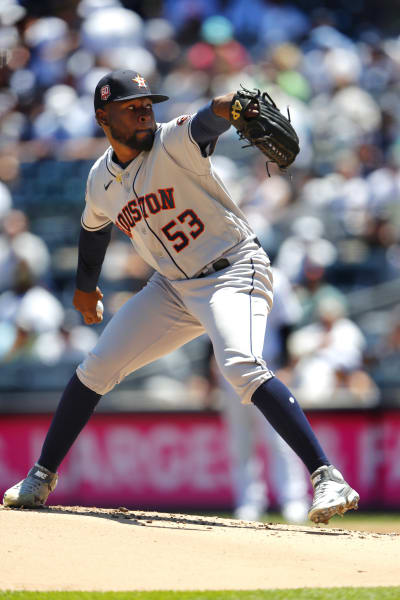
point(361, 521)
point(378, 593)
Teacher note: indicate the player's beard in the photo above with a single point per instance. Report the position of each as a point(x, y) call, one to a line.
point(139, 140)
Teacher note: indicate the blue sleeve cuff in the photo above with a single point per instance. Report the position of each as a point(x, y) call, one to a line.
point(206, 126)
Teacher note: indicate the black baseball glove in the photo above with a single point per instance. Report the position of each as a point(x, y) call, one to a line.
point(259, 121)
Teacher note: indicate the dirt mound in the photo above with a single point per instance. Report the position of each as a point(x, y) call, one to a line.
point(76, 548)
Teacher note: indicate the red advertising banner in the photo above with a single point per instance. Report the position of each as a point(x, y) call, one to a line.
point(354, 440)
point(182, 460)
point(131, 459)
point(391, 461)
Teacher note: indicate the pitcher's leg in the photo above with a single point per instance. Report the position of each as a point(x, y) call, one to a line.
point(235, 318)
point(149, 325)
point(233, 310)
point(238, 346)
point(74, 410)
point(286, 416)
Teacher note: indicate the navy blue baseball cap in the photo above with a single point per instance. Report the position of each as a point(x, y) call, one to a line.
point(123, 85)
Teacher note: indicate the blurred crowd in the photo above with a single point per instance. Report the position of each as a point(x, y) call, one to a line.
point(331, 225)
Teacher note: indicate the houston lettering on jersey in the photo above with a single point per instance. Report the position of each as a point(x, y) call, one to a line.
point(144, 206)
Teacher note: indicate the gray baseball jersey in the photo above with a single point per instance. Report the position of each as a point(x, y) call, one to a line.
point(180, 219)
point(169, 201)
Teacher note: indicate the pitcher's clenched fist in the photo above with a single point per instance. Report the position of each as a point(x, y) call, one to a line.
point(89, 305)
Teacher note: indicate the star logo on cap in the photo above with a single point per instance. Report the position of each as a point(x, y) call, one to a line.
point(140, 81)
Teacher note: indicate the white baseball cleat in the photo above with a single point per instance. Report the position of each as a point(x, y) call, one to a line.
point(33, 491)
point(332, 495)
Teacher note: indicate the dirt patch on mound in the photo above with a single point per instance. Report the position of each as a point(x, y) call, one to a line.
point(76, 548)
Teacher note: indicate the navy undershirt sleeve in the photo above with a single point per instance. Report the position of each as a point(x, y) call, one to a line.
point(205, 128)
point(92, 249)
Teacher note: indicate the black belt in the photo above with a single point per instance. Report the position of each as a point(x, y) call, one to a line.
point(220, 264)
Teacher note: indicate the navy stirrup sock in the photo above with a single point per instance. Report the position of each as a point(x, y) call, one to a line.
point(73, 412)
point(286, 416)
point(272, 398)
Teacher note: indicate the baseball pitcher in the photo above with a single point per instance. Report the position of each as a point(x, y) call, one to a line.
point(156, 183)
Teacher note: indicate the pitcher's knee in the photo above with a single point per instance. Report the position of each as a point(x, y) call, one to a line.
point(98, 374)
point(245, 376)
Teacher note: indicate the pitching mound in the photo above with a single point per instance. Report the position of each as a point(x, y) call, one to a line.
point(74, 548)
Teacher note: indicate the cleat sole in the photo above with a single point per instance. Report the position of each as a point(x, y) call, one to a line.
point(322, 515)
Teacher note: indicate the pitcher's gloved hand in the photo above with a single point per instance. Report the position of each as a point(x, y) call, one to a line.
point(87, 303)
point(259, 121)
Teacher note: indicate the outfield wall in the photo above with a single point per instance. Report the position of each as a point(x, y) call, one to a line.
point(181, 460)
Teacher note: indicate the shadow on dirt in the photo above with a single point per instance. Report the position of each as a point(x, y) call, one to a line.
point(186, 522)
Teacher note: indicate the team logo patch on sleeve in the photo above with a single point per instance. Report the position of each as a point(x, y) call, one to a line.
point(181, 120)
point(105, 92)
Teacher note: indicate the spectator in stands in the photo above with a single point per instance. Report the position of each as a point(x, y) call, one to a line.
point(327, 360)
point(17, 244)
point(385, 357)
point(26, 311)
point(307, 242)
point(339, 80)
point(5, 201)
point(312, 288)
point(70, 342)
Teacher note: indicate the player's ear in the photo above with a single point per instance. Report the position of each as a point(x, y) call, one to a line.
point(101, 117)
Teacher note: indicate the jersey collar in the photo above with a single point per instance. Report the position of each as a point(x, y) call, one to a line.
point(116, 169)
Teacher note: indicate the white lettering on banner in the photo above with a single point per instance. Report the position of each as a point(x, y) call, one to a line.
point(127, 457)
point(370, 452)
point(195, 457)
point(208, 454)
point(94, 460)
point(166, 454)
point(165, 457)
point(88, 464)
point(124, 449)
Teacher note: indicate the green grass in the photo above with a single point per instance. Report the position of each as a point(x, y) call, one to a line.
point(362, 521)
point(359, 515)
point(369, 521)
point(380, 593)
